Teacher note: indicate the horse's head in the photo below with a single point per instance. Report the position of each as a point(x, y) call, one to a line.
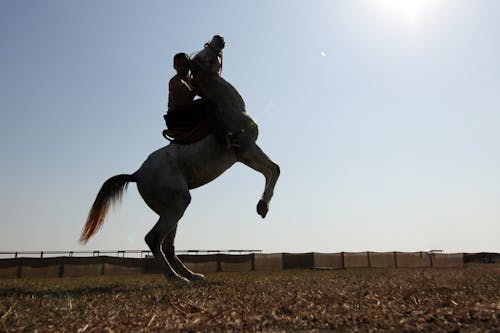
point(209, 60)
point(217, 42)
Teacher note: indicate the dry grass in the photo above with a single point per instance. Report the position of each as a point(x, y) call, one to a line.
point(460, 300)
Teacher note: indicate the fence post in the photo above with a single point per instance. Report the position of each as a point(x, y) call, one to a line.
point(217, 260)
point(369, 261)
point(19, 273)
point(342, 259)
point(395, 260)
point(60, 273)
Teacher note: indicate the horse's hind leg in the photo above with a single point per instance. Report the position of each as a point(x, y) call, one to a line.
point(169, 250)
point(154, 239)
point(158, 238)
point(256, 159)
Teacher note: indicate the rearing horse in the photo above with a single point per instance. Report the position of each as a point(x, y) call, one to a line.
point(167, 175)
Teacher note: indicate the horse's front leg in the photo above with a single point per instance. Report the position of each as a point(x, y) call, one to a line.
point(256, 159)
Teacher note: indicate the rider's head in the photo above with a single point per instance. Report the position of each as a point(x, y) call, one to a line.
point(181, 64)
point(217, 42)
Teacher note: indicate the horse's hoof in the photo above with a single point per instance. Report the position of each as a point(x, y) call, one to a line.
point(177, 279)
point(262, 208)
point(197, 277)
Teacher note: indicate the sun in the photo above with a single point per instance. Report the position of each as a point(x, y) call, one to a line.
point(410, 11)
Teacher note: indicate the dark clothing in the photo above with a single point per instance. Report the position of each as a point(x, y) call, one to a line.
point(189, 116)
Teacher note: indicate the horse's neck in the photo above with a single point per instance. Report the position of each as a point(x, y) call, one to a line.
point(223, 93)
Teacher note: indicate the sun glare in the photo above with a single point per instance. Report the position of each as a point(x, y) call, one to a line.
point(410, 11)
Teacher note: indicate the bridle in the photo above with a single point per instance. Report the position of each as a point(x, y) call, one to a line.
point(216, 51)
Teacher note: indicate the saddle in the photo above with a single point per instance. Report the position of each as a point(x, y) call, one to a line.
point(187, 135)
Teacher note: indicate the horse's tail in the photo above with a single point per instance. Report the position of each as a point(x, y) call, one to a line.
point(111, 191)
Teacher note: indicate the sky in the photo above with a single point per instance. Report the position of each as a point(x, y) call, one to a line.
point(383, 115)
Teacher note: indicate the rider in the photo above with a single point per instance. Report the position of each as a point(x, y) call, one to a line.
point(180, 94)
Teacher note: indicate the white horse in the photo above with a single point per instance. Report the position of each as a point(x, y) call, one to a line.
point(167, 175)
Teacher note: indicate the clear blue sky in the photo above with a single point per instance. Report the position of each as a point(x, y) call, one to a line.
point(383, 115)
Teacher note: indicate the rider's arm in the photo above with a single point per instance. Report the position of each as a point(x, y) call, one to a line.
point(194, 87)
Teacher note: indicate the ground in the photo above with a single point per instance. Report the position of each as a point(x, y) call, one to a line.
point(397, 300)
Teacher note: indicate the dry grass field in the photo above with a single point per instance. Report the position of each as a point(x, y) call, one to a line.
point(397, 300)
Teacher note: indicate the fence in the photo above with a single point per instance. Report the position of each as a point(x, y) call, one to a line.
point(118, 253)
point(220, 261)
